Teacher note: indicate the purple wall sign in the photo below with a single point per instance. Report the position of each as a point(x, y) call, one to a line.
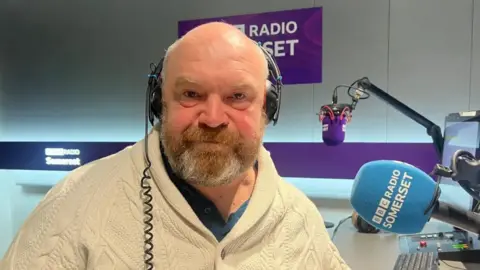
point(294, 37)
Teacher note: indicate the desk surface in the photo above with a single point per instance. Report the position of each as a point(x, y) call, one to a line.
point(380, 251)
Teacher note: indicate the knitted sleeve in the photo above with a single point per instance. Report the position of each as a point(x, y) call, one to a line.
point(49, 237)
point(325, 250)
point(321, 251)
point(330, 256)
point(332, 259)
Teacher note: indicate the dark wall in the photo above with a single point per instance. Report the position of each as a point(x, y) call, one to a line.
point(76, 70)
point(78, 67)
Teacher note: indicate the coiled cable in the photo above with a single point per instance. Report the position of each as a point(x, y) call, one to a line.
point(147, 196)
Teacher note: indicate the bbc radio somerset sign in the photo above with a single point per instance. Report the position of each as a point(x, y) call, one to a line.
point(278, 48)
point(54, 156)
point(62, 157)
point(294, 37)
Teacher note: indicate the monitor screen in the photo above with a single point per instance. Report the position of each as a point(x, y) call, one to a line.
point(461, 133)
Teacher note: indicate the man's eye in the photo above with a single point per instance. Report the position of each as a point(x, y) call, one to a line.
point(190, 94)
point(238, 96)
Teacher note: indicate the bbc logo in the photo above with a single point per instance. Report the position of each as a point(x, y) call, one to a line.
point(384, 203)
point(380, 212)
point(240, 27)
point(377, 219)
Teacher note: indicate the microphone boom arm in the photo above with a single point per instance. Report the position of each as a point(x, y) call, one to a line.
point(433, 130)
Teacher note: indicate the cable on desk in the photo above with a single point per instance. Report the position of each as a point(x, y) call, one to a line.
point(476, 209)
point(338, 226)
point(452, 267)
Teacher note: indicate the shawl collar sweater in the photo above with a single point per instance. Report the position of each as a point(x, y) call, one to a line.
point(93, 219)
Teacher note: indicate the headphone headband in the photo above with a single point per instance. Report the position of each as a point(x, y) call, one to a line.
point(273, 96)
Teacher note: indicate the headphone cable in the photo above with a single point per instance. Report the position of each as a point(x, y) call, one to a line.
point(338, 226)
point(147, 196)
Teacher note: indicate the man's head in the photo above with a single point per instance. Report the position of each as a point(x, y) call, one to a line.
point(214, 87)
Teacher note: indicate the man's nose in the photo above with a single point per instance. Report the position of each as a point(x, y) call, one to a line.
point(214, 113)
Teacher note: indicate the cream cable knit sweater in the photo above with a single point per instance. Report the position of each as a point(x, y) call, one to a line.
point(93, 220)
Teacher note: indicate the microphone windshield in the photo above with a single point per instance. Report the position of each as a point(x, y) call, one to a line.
point(393, 196)
point(333, 131)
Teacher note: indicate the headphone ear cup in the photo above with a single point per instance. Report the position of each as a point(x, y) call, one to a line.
point(367, 228)
point(156, 103)
point(361, 225)
point(271, 102)
point(373, 229)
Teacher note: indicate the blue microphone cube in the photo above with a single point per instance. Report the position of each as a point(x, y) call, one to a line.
point(393, 196)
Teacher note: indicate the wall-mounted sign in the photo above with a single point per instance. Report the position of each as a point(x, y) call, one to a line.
point(54, 156)
point(62, 157)
point(294, 37)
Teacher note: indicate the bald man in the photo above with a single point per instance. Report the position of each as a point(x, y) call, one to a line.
point(218, 201)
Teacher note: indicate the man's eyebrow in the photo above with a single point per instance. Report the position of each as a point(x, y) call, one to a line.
point(183, 81)
point(180, 81)
point(243, 87)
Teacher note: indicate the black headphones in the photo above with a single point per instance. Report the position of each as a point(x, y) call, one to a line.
point(361, 225)
point(273, 95)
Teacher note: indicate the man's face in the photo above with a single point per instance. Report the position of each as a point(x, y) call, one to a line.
point(213, 119)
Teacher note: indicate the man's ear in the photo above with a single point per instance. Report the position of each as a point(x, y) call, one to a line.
point(268, 84)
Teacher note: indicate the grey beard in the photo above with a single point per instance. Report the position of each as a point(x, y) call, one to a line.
point(188, 170)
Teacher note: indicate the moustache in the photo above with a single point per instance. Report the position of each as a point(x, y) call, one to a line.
point(202, 135)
